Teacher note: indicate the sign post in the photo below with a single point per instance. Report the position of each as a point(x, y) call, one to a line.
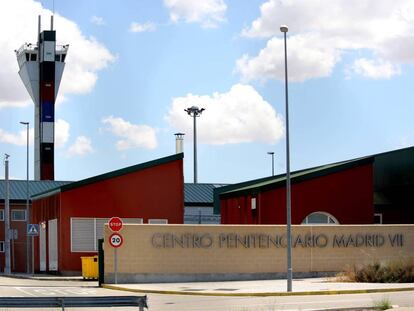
point(32, 230)
point(115, 240)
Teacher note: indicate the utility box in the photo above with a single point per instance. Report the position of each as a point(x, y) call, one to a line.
point(90, 268)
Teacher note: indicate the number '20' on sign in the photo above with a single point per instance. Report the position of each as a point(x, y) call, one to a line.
point(115, 240)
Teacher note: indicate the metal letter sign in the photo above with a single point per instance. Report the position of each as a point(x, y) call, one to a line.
point(115, 224)
point(115, 240)
point(32, 229)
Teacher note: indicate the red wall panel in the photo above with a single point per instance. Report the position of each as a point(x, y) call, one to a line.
point(18, 246)
point(347, 195)
point(151, 193)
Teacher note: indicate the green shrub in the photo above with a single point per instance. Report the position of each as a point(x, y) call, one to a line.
point(396, 271)
point(383, 304)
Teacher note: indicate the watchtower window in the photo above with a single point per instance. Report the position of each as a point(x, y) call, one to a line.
point(27, 57)
point(63, 58)
point(57, 58)
point(33, 57)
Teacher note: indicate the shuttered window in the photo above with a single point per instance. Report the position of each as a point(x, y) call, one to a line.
point(158, 221)
point(85, 232)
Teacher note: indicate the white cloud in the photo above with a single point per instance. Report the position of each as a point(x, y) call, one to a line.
point(82, 146)
point(86, 56)
point(238, 116)
point(209, 13)
point(61, 133)
point(19, 139)
point(375, 69)
point(133, 135)
point(97, 20)
point(322, 30)
point(137, 27)
point(307, 59)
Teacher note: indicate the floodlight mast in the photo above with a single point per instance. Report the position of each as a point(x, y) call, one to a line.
point(195, 112)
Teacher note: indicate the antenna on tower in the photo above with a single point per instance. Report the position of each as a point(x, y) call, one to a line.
point(53, 13)
point(39, 26)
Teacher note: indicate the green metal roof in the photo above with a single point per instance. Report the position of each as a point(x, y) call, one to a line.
point(194, 194)
point(120, 172)
point(18, 188)
point(199, 194)
point(267, 183)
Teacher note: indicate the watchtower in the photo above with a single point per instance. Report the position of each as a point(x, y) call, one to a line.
point(41, 68)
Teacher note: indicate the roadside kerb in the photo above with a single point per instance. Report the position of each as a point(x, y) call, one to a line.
point(44, 277)
point(261, 294)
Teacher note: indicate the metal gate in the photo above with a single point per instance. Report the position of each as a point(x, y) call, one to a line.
point(53, 247)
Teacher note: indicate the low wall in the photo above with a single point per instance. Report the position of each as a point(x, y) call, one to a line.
point(172, 253)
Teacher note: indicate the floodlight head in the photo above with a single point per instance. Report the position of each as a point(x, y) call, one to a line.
point(284, 28)
point(271, 152)
point(24, 123)
point(194, 111)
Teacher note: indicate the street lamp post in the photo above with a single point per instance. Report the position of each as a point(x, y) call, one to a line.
point(7, 269)
point(194, 112)
point(27, 198)
point(284, 29)
point(273, 162)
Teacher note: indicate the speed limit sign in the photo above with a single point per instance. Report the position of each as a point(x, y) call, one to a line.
point(116, 240)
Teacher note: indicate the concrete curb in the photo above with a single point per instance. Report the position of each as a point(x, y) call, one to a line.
point(45, 278)
point(263, 294)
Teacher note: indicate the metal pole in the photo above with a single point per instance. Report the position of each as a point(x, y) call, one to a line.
point(28, 245)
point(32, 255)
point(116, 265)
point(273, 162)
point(194, 112)
point(12, 252)
point(195, 147)
point(7, 218)
point(284, 29)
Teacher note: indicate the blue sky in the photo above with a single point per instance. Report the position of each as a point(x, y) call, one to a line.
point(133, 66)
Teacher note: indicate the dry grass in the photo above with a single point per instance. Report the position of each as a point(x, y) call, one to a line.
point(396, 271)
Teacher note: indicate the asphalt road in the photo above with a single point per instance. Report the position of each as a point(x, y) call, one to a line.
point(12, 287)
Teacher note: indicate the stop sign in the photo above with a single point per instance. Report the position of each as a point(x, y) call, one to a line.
point(115, 224)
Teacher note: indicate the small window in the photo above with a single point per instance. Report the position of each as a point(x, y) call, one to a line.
point(18, 215)
point(158, 221)
point(27, 56)
point(1, 214)
point(1, 246)
point(63, 58)
point(33, 57)
point(320, 218)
